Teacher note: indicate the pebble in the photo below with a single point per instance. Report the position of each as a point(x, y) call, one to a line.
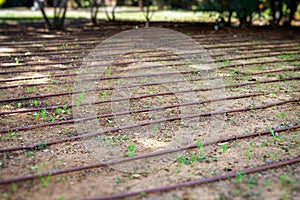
point(46, 150)
point(264, 172)
point(269, 161)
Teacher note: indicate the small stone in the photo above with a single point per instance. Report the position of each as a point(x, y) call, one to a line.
point(46, 150)
point(269, 161)
point(264, 172)
point(135, 175)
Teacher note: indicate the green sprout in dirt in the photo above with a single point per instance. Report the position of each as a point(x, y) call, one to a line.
point(19, 105)
point(14, 187)
point(234, 72)
point(248, 153)
point(61, 197)
point(42, 145)
point(119, 180)
point(182, 160)
point(200, 148)
point(107, 72)
point(281, 115)
point(28, 90)
point(45, 180)
point(35, 102)
point(285, 57)
point(224, 148)
point(10, 135)
point(193, 157)
point(285, 180)
point(44, 114)
point(65, 44)
point(63, 110)
point(251, 182)
point(58, 110)
point(131, 148)
point(239, 177)
point(267, 182)
point(155, 128)
point(104, 95)
point(29, 154)
point(36, 115)
point(227, 62)
point(143, 194)
point(273, 133)
point(80, 99)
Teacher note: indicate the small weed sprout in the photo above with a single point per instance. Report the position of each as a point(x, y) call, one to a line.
point(35, 102)
point(29, 154)
point(182, 160)
point(80, 99)
point(284, 179)
point(155, 128)
point(119, 180)
point(267, 182)
point(28, 90)
point(44, 114)
point(45, 180)
point(14, 187)
point(224, 148)
point(143, 194)
point(107, 72)
point(104, 95)
point(58, 110)
point(131, 148)
point(36, 115)
point(10, 135)
point(273, 133)
point(239, 177)
point(248, 153)
point(234, 72)
point(251, 182)
point(227, 63)
point(42, 145)
point(200, 150)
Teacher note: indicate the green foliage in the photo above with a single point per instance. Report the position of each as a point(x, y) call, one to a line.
point(2, 2)
point(285, 180)
point(182, 160)
point(45, 180)
point(131, 148)
point(224, 148)
point(239, 177)
point(14, 187)
point(119, 180)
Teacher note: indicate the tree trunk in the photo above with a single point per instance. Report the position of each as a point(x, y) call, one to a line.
point(141, 5)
